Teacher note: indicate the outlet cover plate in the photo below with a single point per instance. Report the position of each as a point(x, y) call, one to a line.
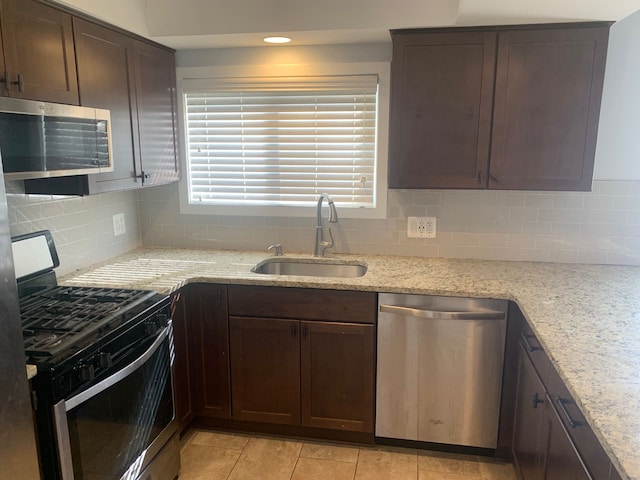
point(119, 226)
point(421, 227)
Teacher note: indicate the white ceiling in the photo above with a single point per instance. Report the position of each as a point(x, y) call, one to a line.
point(188, 24)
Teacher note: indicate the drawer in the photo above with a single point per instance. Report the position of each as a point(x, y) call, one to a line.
point(531, 345)
point(579, 430)
point(302, 304)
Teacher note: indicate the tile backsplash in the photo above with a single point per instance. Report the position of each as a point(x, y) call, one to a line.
point(82, 227)
point(602, 226)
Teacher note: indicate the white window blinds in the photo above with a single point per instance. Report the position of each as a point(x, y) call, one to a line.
point(281, 141)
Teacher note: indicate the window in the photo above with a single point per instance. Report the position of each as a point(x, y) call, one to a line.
point(281, 141)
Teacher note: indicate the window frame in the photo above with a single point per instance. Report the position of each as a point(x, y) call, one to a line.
point(381, 69)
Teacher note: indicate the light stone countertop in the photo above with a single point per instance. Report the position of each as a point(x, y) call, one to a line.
point(32, 371)
point(586, 316)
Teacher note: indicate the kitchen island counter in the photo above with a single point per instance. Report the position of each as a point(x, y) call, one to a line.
point(586, 316)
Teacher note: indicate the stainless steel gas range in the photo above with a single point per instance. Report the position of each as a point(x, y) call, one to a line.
point(103, 394)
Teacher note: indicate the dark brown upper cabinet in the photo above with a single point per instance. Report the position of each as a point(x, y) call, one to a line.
point(135, 80)
point(39, 59)
point(496, 107)
point(155, 84)
point(441, 103)
point(546, 108)
point(105, 72)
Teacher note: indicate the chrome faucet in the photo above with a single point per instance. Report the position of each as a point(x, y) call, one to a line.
point(321, 244)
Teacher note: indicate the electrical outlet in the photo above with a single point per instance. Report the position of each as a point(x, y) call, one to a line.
point(421, 227)
point(119, 226)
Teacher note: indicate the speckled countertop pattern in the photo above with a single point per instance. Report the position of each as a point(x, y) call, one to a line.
point(586, 316)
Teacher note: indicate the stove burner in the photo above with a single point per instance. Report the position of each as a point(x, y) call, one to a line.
point(57, 318)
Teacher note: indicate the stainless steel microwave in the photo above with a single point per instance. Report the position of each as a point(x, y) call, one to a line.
point(39, 139)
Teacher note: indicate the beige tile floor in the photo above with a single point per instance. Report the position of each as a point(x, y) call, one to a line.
point(209, 455)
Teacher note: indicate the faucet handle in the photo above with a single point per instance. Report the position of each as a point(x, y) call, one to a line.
point(277, 247)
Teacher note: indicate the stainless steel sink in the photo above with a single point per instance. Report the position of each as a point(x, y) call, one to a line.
point(309, 268)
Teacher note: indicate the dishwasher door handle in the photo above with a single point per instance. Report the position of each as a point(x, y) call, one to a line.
point(443, 315)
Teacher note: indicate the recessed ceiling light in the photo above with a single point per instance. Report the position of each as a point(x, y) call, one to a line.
point(277, 39)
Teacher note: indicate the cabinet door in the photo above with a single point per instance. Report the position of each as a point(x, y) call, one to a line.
point(155, 81)
point(337, 365)
point(38, 47)
point(441, 101)
point(547, 104)
point(105, 73)
point(265, 370)
point(211, 350)
point(562, 460)
point(527, 445)
point(182, 381)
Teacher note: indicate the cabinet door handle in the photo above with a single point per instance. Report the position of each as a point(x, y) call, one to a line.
point(143, 176)
point(536, 400)
point(293, 331)
point(527, 343)
point(305, 331)
point(562, 403)
point(7, 81)
point(219, 297)
point(494, 178)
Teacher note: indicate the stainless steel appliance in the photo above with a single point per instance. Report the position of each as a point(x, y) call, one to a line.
point(18, 455)
point(39, 139)
point(104, 397)
point(440, 363)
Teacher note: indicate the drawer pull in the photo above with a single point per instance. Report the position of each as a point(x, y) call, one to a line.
point(536, 400)
point(527, 343)
point(562, 403)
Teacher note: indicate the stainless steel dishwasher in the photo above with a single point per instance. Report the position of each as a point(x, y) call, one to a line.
point(440, 369)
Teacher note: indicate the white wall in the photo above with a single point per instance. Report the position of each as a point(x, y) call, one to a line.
point(127, 14)
point(189, 17)
point(618, 148)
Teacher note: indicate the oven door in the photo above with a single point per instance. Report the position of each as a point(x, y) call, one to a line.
point(113, 429)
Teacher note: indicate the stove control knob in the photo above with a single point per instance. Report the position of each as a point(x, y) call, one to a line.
point(87, 373)
point(150, 327)
point(104, 359)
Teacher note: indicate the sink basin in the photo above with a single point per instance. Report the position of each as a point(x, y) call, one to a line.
point(309, 268)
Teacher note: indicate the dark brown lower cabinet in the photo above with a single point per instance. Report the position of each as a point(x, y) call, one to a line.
point(551, 438)
point(314, 374)
point(527, 444)
point(563, 461)
point(337, 376)
point(210, 350)
point(303, 358)
point(265, 370)
point(182, 382)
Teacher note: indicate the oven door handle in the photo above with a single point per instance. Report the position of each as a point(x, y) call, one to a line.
point(119, 375)
point(61, 408)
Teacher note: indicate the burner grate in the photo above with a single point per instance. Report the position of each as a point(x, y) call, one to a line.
point(57, 318)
